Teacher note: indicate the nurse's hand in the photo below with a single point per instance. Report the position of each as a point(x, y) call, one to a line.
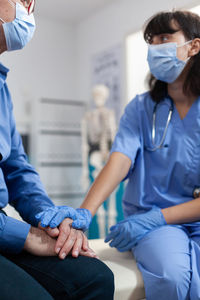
point(54, 215)
point(125, 234)
point(83, 219)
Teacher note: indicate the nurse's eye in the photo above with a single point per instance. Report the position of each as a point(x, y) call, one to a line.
point(164, 38)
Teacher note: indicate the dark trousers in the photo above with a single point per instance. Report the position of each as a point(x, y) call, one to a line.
point(28, 277)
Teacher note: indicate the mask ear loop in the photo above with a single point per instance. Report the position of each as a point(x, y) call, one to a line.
point(2, 20)
point(186, 43)
point(12, 3)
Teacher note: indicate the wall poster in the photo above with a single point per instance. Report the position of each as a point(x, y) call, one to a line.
point(106, 69)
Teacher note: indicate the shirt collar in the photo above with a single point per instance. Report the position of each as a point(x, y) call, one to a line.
point(169, 101)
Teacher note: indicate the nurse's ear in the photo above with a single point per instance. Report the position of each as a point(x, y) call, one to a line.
point(195, 47)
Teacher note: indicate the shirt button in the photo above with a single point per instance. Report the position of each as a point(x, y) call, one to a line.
point(196, 192)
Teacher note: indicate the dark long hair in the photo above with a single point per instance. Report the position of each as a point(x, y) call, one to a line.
point(189, 24)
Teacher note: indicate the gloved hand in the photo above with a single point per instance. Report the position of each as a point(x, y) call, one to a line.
point(83, 220)
point(53, 216)
point(127, 233)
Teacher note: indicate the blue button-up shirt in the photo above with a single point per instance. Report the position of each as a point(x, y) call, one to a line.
point(20, 184)
point(166, 176)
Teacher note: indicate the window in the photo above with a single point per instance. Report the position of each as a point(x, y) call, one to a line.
point(136, 64)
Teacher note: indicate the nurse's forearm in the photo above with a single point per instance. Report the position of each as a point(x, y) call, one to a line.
point(183, 213)
point(111, 175)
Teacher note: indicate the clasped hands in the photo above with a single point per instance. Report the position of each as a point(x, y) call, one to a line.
point(66, 225)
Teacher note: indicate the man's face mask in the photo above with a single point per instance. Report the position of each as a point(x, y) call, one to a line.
point(163, 62)
point(20, 31)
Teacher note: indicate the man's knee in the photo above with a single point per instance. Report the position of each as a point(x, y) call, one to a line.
point(98, 282)
point(85, 278)
point(104, 281)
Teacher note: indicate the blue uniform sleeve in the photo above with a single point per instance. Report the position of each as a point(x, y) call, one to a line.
point(13, 234)
point(26, 192)
point(127, 140)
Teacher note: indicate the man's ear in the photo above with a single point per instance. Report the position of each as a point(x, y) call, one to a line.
point(195, 48)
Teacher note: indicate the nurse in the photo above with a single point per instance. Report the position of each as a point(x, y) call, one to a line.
point(157, 148)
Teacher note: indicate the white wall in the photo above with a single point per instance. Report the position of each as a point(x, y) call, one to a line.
point(45, 68)
point(57, 62)
point(109, 27)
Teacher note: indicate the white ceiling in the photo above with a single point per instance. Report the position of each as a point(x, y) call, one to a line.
point(70, 11)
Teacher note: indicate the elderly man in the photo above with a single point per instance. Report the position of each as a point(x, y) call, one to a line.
point(33, 260)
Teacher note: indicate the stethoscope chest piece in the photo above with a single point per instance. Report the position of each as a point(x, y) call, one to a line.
point(196, 192)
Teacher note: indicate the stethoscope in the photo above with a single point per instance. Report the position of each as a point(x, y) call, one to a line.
point(153, 134)
point(196, 191)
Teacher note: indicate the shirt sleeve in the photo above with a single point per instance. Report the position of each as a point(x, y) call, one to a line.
point(26, 192)
point(13, 234)
point(127, 140)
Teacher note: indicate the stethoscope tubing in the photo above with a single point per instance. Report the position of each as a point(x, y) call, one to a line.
point(196, 191)
point(156, 147)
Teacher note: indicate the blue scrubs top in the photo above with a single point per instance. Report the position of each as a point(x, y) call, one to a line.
point(20, 185)
point(167, 176)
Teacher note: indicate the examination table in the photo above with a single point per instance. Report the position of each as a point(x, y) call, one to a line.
point(128, 279)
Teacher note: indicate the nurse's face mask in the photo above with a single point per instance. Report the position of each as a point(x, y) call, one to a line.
point(164, 63)
point(20, 31)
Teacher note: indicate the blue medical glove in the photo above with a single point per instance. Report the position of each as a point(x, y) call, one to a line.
point(53, 216)
point(125, 234)
point(83, 220)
